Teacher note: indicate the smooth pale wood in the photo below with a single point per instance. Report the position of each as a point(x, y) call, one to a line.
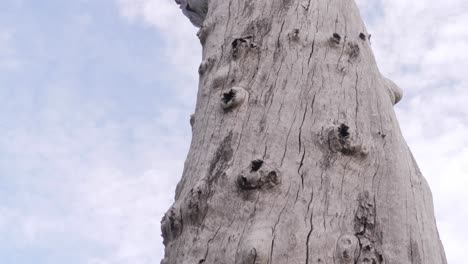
point(304, 162)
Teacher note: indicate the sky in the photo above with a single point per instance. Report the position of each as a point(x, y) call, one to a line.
point(95, 99)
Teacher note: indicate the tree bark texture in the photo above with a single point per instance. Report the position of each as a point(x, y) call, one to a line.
point(296, 155)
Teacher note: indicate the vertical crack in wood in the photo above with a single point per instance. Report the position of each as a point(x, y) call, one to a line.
point(300, 128)
point(287, 139)
point(357, 100)
point(208, 245)
point(301, 173)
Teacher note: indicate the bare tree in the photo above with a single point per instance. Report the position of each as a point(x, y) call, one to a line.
point(296, 155)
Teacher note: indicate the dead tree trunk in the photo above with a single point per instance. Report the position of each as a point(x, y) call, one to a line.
point(296, 156)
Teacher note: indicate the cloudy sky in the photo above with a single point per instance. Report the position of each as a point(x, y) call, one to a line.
point(95, 98)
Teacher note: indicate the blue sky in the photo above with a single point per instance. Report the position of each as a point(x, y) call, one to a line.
point(94, 119)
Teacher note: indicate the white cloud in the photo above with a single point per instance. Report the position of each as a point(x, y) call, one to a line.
point(124, 211)
point(182, 47)
point(80, 177)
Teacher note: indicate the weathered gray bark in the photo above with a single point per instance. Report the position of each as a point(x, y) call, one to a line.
point(296, 156)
